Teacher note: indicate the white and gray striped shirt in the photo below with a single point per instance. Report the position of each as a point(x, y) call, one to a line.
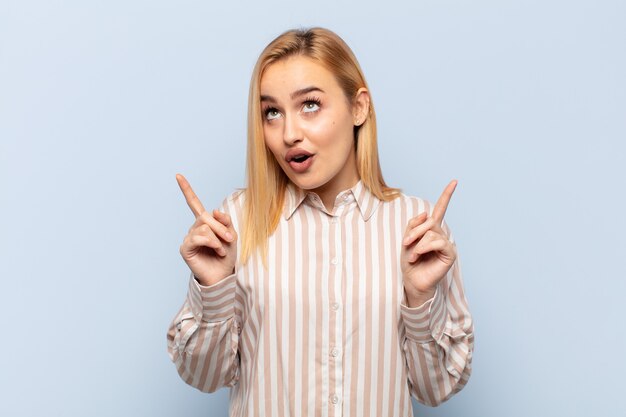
point(325, 330)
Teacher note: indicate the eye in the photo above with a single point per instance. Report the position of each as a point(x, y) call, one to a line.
point(311, 105)
point(271, 113)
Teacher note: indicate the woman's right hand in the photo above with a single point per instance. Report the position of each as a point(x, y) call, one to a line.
point(210, 247)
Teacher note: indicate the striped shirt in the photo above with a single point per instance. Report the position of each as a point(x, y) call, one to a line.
point(325, 330)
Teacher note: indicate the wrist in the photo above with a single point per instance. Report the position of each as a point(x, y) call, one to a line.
point(417, 298)
point(204, 282)
point(207, 282)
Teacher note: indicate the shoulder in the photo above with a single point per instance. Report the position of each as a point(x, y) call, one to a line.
point(235, 198)
point(233, 205)
point(413, 205)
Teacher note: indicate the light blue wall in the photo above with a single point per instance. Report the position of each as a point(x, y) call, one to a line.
point(101, 103)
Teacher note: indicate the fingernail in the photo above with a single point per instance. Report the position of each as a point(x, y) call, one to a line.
point(229, 236)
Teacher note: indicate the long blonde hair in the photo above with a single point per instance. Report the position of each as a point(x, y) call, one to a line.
point(266, 181)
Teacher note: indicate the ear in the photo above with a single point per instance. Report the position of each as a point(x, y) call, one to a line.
point(361, 106)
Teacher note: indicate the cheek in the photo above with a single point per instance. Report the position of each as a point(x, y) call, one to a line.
point(330, 131)
point(272, 143)
point(269, 139)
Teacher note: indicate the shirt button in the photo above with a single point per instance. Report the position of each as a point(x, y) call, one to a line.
point(334, 399)
point(333, 221)
point(178, 326)
point(335, 306)
point(345, 197)
point(334, 352)
point(334, 261)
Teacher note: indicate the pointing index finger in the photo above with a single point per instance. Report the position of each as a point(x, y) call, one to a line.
point(442, 204)
point(192, 199)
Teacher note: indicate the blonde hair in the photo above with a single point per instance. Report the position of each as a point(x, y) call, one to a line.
point(266, 181)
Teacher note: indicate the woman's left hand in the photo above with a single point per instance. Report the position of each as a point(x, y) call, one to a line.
point(427, 254)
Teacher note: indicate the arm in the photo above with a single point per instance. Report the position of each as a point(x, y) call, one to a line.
point(203, 338)
point(439, 341)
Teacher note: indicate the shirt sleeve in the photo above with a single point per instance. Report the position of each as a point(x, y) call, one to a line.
point(203, 337)
point(439, 340)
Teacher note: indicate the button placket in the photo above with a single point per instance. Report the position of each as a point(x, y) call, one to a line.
point(335, 296)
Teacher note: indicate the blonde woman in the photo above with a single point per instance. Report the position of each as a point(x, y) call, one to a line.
point(318, 290)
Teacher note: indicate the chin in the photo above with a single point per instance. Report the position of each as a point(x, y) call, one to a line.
point(307, 184)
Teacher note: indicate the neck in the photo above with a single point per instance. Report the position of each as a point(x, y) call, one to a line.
point(346, 179)
point(328, 197)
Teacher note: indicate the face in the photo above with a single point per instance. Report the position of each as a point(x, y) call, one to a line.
point(308, 124)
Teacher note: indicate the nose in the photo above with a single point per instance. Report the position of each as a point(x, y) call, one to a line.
point(292, 130)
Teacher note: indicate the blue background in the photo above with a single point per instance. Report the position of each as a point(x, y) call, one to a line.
point(102, 103)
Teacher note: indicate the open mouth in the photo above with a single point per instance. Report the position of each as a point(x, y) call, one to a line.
point(300, 158)
point(301, 163)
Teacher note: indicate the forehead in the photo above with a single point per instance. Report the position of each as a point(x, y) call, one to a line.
point(296, 72)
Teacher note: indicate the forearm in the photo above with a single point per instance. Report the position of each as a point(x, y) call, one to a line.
point(439, 342)
point(203, 337)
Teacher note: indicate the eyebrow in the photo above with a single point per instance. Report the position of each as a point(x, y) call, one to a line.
point(295, 94)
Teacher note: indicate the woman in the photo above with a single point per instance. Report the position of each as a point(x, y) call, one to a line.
point(343, 296)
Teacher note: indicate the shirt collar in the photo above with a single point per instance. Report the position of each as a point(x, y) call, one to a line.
point(365, 200)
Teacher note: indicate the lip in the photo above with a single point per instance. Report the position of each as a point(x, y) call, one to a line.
point(296, 152)
point(302, 167)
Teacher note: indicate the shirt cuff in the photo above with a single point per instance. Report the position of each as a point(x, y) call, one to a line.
point(213, 303)
point(425, 323)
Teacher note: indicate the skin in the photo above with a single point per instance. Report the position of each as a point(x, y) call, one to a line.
point(210, 247)
point(326, 130)
point(427, 254)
